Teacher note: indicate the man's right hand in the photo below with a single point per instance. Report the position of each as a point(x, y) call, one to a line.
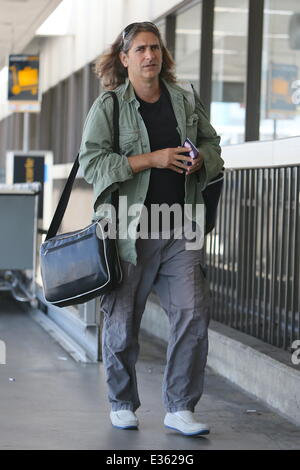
point(170, 158)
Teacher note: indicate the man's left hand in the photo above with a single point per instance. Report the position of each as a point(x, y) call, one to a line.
point(196, 164)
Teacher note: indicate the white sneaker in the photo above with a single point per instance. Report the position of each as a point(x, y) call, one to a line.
point(185, 422)
point(124, 419)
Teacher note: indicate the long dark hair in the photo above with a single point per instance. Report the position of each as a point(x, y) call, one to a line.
point(110, 69)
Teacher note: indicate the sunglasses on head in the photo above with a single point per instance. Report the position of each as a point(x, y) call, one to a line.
point(129, 28)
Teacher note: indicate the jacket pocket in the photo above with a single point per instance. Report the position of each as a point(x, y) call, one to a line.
point(128, 141)
point(191, 127)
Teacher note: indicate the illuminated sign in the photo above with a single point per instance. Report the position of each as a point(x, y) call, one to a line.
point(28, 169)
point(23, 83)
point(280, 91)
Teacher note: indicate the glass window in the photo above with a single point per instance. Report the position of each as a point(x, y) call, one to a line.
point(280, 111)
point(162, 29)
point(229, 70)
point(187, 44)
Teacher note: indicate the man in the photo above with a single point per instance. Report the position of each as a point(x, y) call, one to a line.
point(156, 116)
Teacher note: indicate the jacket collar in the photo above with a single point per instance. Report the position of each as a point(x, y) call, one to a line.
point(127, 93)
point(176, 91)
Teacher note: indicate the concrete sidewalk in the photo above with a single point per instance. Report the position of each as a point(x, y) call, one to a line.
point(48, 401)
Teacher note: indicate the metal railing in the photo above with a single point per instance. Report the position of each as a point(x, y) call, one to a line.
point(253, 255)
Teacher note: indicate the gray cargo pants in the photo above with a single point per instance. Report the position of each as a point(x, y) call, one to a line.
point(177, 276)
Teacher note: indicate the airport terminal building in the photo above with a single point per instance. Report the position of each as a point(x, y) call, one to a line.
point(243, 58)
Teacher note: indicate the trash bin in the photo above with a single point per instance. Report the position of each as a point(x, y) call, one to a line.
point(18, 239)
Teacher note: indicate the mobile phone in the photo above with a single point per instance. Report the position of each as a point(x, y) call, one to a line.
point(193, 153)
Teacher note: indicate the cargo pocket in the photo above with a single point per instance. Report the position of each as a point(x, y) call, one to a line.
point(202, 290)
point(203, 269)
point(119, 302)
point(201, 314)
point(119, 313)
point(107, 303)
point(199, 324)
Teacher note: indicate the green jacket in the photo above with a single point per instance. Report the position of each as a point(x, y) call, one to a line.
point(108, 171)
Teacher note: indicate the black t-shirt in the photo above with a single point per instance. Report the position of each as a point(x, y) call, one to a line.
point(165, 185)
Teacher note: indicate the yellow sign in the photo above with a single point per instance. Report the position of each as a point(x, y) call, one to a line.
point(23, 82)
point(29, 170)
point(280, 104)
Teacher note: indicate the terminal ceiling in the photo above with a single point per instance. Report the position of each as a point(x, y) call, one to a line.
point(19, 20)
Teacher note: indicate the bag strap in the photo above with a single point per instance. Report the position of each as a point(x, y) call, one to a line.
point(116, 148)
point(65, 196)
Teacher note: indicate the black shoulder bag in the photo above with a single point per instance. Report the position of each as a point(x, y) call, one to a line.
point(81, 265)
point(211, 196)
